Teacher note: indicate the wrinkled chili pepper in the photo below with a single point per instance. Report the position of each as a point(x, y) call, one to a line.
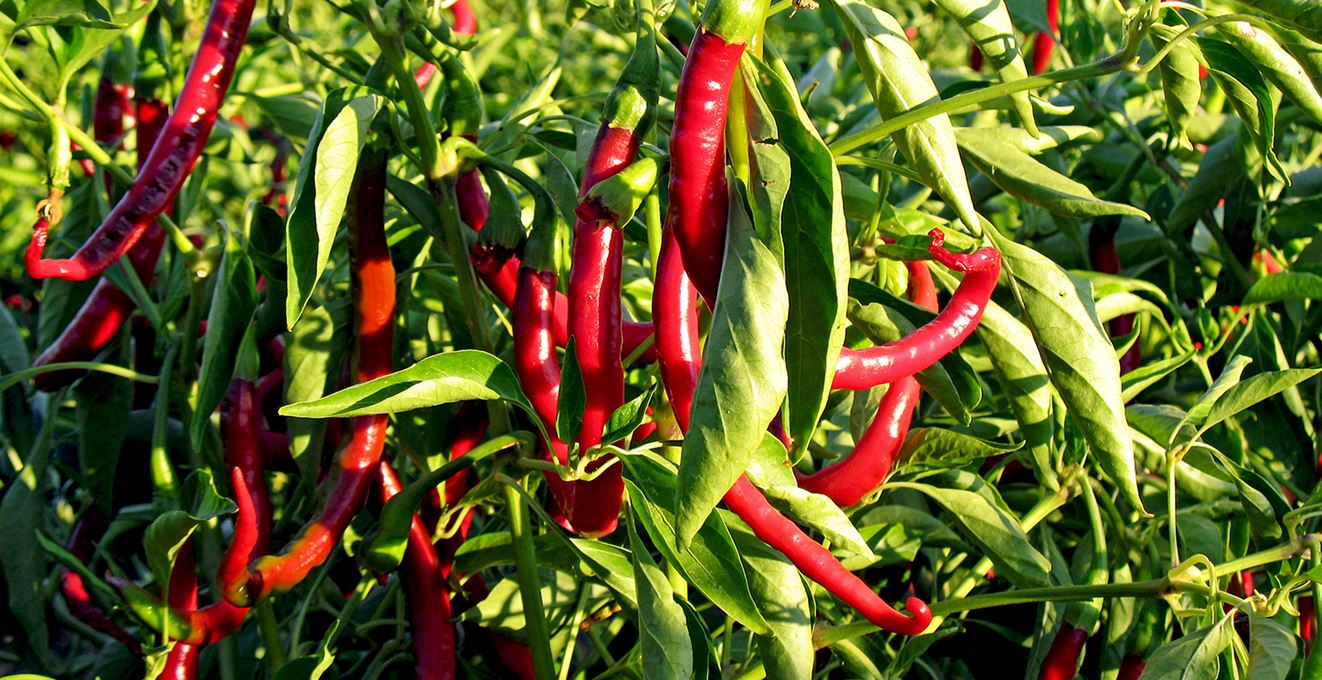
point(863, 369)
point(427, 599)
point(98, 321)
point(74, 590)
point(699, 196)
point(1044, 43)
point(680, 359)
point(850, 480)
point(595, 315)
point(1062, 659)
point(373, 277)
point(172, 157)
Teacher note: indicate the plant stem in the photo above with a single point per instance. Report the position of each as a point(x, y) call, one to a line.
point(270, 628)
point(916, 115)
point(1150, 588)
point(530, 592)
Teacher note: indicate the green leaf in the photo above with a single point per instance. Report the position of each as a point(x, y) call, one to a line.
point(439, 379)
point(710, 561)
point(1230, 376)
point(993, 530)
point(83, 13)
point(1272, 649)
point(816, 256)
point(631, 414)
point(573, 398)
point(820, 513)
point(1079, 354)
point(22, 563)
point(666, 650)
point(233, 304)
point(1253, 390)
point(313, 355)
point(787, 653)
point(168, 532)
point(940, 447)
point(743, 378)
point(990, 27)
point(325, 176)
point(1278, 65)
point(1150, 373)
point(1284, 286)
point(1249, 94)
point(1019, 366)
point(899, 81)
point(1023, 177)
point(1195, 656)
point(13, 350)
point(102, 415)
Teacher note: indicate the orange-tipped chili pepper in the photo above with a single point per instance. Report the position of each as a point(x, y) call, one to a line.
point(373, 276)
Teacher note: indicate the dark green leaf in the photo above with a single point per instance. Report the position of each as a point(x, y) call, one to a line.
point(233, 304)
point(665, 638)
point(1284, 286)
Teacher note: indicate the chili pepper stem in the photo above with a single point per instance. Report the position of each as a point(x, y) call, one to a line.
point(270, 629)
point(525, 565)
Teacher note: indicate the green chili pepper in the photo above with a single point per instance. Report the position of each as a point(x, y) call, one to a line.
point(1278, 65)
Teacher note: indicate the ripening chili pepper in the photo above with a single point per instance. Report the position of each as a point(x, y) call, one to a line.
point(463, 23)
point(850, 480)
point(863, 369)
point(172, 157)
point(680, 359)
point(1045, 43)
point(975, 58)
point(1131, 667)
point(699, 196)
point(373, 285)
point(1307, 621)
point(595, 314)
point(1062, 659)
point(427, 599)
point(1105, 260)
point(74, 590)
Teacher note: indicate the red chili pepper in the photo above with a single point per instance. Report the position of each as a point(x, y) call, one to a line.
point(1306, 621)
point(1062, 659)
point(1131, 667)
point(863, 369)
point(463, 23)
point(975, 58)
point(74, 590)
point(595, 315)
point(172, 157)
point(867, 466)
point(699, 196)
point(467, 427)
point(680, 359)
point(427, 599)
point(514, 656)
point(1106, 260)
point(538, 365)
point(181, 663)
point(373, 277)
point(98, 321)
point(1044, 43)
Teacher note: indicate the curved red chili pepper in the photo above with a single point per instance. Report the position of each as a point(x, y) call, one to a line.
point(373, 276)
point(98, 321)
point(427, 598)
point(1044, 43)
point(1306, 622)
point(463, 23)
point(680, 360)
point(863, 369)
point(850, 480)
point(172, 157)
point(74, 590)
point(1062, 659)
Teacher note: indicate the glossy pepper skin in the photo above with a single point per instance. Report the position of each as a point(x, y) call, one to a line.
point(863, 369)
point(1062, 659)
point(98, 321)
point(428, 600)
point(172, 157)
point(680, 360)
point(595, 315)
point(850, 480)
point(182, 661)
point(699, 193)
point(373, 283)
point(1131, 667)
